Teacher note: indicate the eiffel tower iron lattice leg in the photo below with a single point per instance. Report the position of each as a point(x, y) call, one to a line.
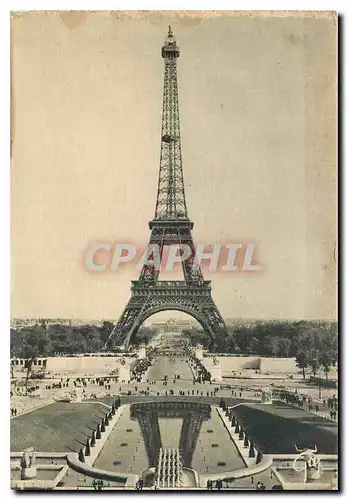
point(170, 226)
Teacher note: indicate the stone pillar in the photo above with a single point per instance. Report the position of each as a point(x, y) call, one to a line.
point(216, 374)
point(199, 352)
point(334, 481)
point(124, 373)
point(27, 465)
point(142, 352)
point(29, 473)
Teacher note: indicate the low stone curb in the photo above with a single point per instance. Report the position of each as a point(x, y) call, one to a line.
point(99, 444)
point(243, 452)
point(86, 469)
point(40, 484)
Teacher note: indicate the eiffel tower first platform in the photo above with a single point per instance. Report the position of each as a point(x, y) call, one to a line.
point(170, 226)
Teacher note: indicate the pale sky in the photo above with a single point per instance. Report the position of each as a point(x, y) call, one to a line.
point(257, 100)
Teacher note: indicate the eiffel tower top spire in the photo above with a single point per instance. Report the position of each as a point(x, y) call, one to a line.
point(171, 203)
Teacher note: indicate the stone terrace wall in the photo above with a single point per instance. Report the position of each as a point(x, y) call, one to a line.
point(86, 364)
point(241, 363)
point(233, 363)
point(278, 365)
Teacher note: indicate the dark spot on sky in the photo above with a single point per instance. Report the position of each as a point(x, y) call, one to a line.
point(292, 38)
point(73, 19)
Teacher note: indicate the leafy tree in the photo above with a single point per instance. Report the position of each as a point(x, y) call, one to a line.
point(229, 343)
point(284, 347)
point(313, 355)
point(302, 362)
point(326, 362)
point(308, 350)
point(273, 343)
point(144, 335)
point(106, 330)
point(255, 345)
point(16, 342)
point(34, 344)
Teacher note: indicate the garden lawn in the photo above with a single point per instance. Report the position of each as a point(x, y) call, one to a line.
point(60, 427)
point(277, 428)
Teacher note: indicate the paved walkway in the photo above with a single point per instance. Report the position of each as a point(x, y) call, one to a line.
point(124, 451)
point(171, 367)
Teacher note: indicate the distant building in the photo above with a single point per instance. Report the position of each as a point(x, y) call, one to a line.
point(42, 362)
point(172, 325)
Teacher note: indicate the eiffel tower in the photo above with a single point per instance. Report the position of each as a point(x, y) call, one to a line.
point(170, 226)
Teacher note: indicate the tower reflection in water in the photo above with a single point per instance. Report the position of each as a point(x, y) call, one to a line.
point(189, 415)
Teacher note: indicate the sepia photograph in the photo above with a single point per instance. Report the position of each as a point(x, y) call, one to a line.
point(174, 311)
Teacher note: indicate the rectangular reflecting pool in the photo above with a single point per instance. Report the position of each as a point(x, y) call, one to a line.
point(196, 430)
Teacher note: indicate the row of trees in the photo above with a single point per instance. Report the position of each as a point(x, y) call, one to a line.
point(58, 339)
point(314, 344)
point(317, 349)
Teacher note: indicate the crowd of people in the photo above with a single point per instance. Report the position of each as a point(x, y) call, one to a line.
point(139, 484)
point(140, 368)
point(219, 484)
point(26, 399)
point(307, 402)
point(200, 371)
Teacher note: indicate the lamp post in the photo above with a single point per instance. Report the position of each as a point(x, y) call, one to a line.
point(319, 382)
point(316, 363)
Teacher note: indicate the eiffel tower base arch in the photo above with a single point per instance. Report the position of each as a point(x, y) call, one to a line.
point(146, 300)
